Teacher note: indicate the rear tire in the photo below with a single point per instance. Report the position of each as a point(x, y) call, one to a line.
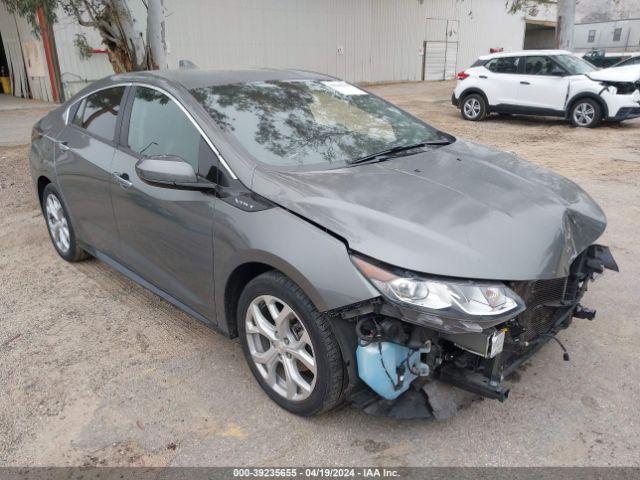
point(289, 345)
point(473, 107)
point(59, 226)
point(585, 112)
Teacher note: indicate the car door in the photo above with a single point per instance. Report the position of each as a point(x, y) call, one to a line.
point(83, 157)
point(543, 84)
point(500, 80)
point(166, 234)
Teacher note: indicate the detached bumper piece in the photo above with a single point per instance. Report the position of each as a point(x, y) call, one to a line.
point(402, 364)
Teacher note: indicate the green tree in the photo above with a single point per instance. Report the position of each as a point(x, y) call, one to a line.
point(565, 18)
point(129, 49)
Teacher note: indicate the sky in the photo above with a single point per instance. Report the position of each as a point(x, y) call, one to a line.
point(604, 10)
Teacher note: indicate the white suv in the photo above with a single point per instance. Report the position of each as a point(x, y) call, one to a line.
point(547, 82)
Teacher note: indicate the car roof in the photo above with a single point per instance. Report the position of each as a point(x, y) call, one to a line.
point(196, 78)
point(524, 53)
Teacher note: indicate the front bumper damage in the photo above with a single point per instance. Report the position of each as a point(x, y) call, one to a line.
point(403, 367)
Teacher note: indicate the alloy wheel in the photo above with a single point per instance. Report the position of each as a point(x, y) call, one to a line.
point(584, 114)
point(281, 348)
point(58, 224)
point(472, 108)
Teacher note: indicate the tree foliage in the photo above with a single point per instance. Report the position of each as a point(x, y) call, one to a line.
point(528, 7)
point(124, 41)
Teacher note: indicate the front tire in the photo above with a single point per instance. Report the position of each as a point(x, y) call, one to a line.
point(473, 108)
point(586, 113)
point(59, 225)
point(289, 345)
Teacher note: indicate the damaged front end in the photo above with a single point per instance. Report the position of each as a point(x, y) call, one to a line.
point(484, 332)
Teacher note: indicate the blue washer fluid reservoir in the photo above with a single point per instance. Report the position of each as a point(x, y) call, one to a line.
point(378, 365)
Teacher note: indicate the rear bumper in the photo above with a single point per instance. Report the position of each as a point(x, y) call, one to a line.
point(454, 100)
point(626, 113)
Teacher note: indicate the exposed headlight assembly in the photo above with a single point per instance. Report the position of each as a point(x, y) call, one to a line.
point(443, 298)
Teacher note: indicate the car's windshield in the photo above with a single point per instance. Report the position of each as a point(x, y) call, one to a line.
point(310, 122)
point(574, 65)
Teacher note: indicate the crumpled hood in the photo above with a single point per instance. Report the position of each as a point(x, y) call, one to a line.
point(462, 210)
point(628, 73)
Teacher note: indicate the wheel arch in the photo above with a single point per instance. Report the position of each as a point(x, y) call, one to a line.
point(583, 95)
point(243, 273)
point(343, 331)
point(236, 283)
point(472, 90)
point(41, 184)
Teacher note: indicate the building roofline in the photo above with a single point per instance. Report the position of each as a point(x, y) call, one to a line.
point(608, 21)
point(524, 53)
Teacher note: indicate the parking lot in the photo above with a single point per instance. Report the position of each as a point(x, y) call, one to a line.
point(95, 370)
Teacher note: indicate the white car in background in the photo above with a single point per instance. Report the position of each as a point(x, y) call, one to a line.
point(550, 83)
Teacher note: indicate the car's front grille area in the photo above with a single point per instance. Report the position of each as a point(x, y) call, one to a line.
point(545, 300)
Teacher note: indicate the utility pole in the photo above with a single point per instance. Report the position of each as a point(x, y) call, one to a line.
point(565, 24)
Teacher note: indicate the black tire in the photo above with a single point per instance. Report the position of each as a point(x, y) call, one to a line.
point(473, 107)
point(327, 391)
point(590, 115)
point(72, 253)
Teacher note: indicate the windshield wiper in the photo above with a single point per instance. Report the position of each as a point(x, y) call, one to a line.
point(393, 151)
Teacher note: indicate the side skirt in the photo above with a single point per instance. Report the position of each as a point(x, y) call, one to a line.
point(517, 109)
point(149, 286)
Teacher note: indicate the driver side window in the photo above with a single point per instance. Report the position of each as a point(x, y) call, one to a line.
point(542, 66)
point(158, 126)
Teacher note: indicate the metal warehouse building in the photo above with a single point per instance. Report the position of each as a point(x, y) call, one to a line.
point(614, 36)
point(359, 40)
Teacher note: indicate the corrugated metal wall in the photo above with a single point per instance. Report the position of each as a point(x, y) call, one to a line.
point(604, 39)
point(359, 40)
point(75, 71)
point(16, 33)
point(483, 24)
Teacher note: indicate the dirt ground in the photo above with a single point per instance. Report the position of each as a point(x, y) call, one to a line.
point(95, 370)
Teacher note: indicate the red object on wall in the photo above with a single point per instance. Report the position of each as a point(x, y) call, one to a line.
point(496, 50)
point(97, 50)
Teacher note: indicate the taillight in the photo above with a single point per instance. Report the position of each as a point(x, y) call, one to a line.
point(36, 134)
point(462, 75)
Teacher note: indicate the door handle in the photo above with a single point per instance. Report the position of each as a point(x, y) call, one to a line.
point(525, 83)
point(122, 179)
point(482, 76)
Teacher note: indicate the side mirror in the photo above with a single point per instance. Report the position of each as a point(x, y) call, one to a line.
point(166, 170)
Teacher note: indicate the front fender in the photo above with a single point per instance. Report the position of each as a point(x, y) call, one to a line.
point(317, 261)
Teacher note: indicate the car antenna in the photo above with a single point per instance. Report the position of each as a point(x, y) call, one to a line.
point(187, 64)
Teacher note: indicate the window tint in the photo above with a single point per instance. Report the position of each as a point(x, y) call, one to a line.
point(504, 65)
point(98, 112)
point(159, 127)
point(592, 36)
point(542, 66)
point(617, 33)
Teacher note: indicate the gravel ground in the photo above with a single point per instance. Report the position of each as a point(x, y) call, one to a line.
point(95, 370)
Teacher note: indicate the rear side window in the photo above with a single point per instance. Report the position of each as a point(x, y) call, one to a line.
point(504, 65)
point(159, 127)
point(478, 63)
point(98, 113)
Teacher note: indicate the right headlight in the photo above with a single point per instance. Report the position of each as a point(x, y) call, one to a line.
point(459, 299)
